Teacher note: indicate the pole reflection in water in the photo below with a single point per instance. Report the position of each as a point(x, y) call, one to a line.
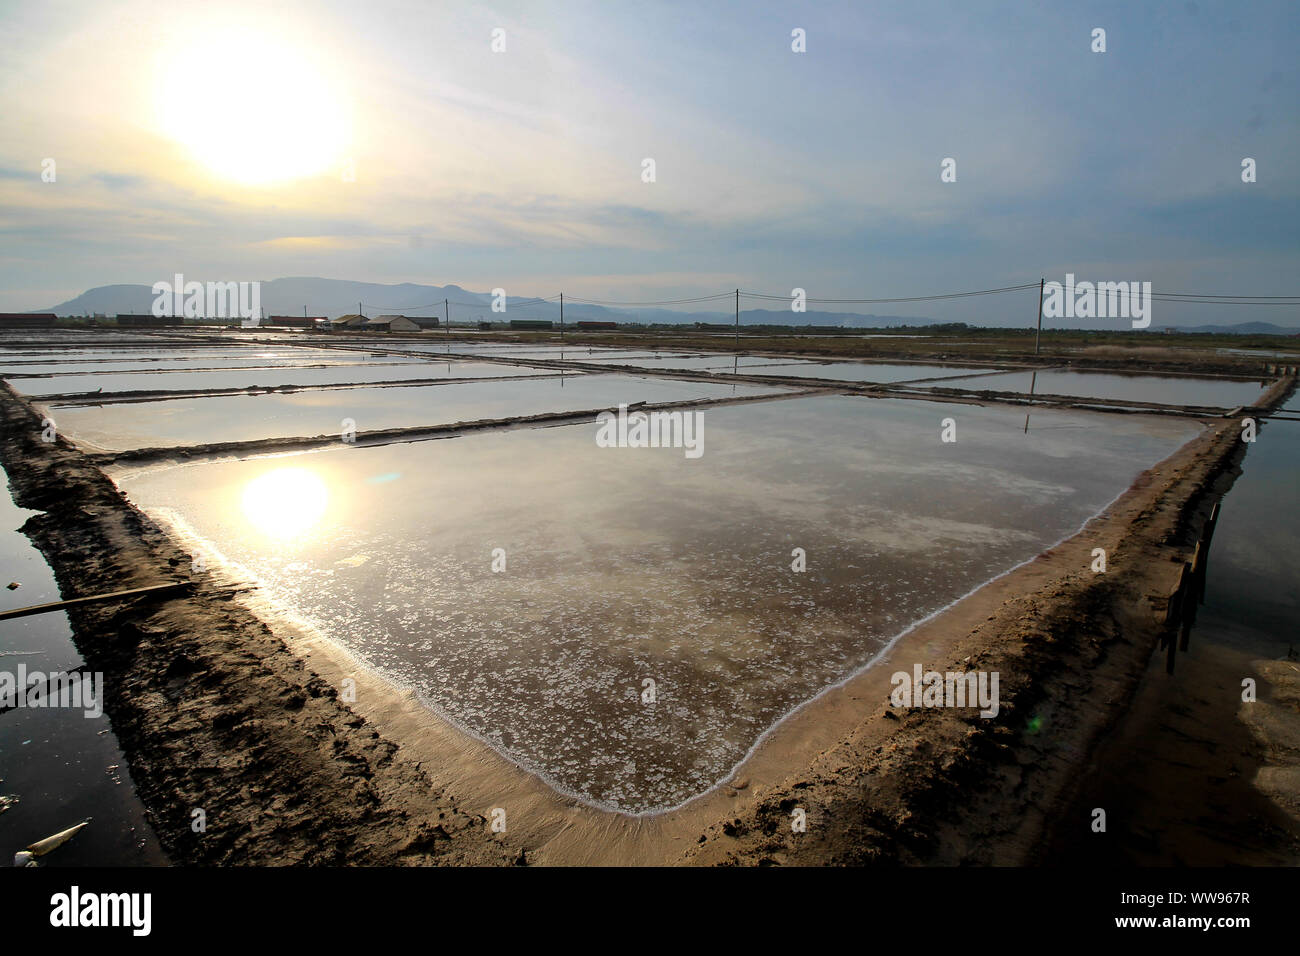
point(1032, 382)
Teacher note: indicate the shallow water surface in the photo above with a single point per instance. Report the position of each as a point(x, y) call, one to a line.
point(203, 420)
point(356, 373)
point(1219, 393)
point(859, 371)
point(58, 766)
point(636, 569)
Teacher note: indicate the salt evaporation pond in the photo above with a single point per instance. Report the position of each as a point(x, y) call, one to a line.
point(1252, 594)
point(18, 360)
point(631, 564)
point(195, 421)
point(359, 374)
point(696, 362)
point(156, 353)
point(1167, 390)
point(860, 371)
point(183, 365)
point(570, 355)
point(673, 362)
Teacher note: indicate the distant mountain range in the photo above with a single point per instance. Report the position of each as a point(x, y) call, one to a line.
point(1241, 328)
point(335, 297)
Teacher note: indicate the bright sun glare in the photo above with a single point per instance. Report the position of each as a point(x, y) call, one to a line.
point(252, 109)
point(285, 503)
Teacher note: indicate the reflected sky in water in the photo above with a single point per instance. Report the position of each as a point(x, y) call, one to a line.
point(357, 373)
point(1167, 390)
point(859, 371)
point(194, 421)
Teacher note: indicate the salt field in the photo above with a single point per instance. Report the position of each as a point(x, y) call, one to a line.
point(361, 373)
point(1166, 390)
point(100, 367)
point(624, 565)
point(594, 436)
point(203, 420)
point(181, 356)
point(691, 363)
point(859, 371)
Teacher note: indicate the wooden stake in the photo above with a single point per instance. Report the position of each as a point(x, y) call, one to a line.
point(156, 589)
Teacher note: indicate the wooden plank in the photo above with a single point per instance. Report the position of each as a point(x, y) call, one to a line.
point(156, 589)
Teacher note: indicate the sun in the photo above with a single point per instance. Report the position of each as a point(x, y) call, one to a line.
point(286, 503)
point(251, 108)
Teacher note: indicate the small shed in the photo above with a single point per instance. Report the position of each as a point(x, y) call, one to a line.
point(391, 323)
point(351, 321)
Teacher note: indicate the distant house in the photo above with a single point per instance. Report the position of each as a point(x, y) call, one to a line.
point(426, 321)
point(296, 321)
point(531, 324)
point(351, 321)
point(391, 323)
point(594, 326)
point(26, 320)
point(149, 321)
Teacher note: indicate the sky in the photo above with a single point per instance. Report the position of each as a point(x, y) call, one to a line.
point(389, 142)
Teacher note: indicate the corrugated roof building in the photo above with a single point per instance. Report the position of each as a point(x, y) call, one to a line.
point(391, 323)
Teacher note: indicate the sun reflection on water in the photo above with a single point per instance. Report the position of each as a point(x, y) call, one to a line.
point(286, 503)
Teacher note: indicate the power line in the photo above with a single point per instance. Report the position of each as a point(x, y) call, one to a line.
point(703, 298)
point(467, 305)
point(1207, 295)
point(911, 298)
point(1190, 298)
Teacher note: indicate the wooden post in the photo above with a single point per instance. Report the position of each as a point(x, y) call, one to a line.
point(1041, 281)
point(157, 590)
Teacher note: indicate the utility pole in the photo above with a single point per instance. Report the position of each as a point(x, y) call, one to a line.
point(561, 316)
point(737, 319)
point(446, 317)
point(1037, 334)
